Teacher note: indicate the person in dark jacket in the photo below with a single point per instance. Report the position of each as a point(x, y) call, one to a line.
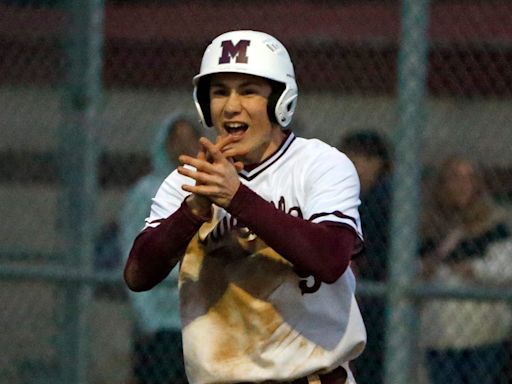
point(371, 154)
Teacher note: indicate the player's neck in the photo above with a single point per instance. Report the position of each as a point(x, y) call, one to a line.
point(248, 166)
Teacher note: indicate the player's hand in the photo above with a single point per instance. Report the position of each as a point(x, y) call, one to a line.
point(216, 176)
point(200, 205)
point(222, 142)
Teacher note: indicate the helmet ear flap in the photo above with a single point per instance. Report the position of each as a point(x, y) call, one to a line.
point(285, 107)
point(281, 104)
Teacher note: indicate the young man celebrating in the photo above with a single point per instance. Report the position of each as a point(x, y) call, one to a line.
point(262, 225)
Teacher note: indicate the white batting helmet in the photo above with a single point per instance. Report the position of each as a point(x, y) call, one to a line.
point(253, 53)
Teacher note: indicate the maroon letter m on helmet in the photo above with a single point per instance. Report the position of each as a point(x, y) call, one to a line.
point(238, 51)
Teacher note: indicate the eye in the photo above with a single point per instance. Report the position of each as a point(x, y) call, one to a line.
point(250, 90)
point(218, 91)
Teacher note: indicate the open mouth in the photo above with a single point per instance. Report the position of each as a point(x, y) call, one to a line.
point(235, 129)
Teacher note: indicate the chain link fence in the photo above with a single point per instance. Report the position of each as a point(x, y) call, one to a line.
point(84, 84)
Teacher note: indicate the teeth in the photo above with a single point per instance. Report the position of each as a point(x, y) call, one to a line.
point(234, 125)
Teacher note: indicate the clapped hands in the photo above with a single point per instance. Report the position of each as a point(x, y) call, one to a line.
point(215, 175)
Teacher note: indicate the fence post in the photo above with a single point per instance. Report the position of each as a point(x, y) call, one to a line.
point(402, 316)
point(78, 152)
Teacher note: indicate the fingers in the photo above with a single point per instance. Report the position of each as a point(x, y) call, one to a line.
point(201, 155)
point(222, 144)
point(199, 176)
point(199, 164)
point(223, 140)
point(214, 173)
point(205, 187)
point(213, 150)
point(200, 190)
point(212, 153)
point(239, 166)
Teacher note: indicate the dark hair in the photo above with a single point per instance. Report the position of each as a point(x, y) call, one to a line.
point(369, 143)
point(277, 90)
point(203, 97)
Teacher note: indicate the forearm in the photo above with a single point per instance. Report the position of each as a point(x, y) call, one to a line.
point(323, 250)
point(156, 251)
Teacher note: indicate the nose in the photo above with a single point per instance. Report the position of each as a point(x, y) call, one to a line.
point(233, 103)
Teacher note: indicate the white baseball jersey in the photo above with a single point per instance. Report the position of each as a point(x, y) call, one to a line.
point(244, 315)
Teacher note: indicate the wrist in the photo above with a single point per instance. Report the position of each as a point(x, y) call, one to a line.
point(199, 208)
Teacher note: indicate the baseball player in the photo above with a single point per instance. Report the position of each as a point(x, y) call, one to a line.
point(262, 225)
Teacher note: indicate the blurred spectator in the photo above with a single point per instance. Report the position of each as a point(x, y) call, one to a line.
point(466, 241)
point(371, 156)
point(158, 356)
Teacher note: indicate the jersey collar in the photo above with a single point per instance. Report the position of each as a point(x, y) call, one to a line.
point(255, 169)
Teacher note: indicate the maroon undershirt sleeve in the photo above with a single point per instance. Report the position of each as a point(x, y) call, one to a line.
point(156, 251)
point(323, 250)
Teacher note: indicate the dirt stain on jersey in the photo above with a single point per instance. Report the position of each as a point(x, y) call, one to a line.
point(246, 328)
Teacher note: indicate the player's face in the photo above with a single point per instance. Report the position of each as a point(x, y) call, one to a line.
point(238, 104)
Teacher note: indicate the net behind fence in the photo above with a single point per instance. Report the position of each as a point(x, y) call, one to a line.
point(61, 280)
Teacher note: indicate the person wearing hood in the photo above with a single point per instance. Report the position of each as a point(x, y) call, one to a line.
point(157, 345)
